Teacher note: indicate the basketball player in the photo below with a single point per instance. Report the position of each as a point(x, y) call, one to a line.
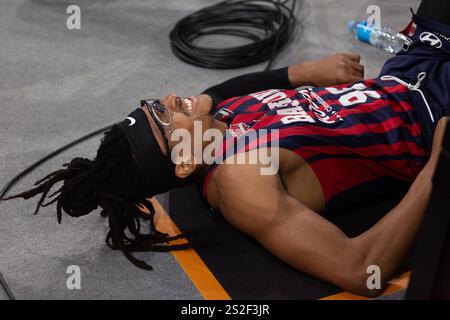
point(340, 147)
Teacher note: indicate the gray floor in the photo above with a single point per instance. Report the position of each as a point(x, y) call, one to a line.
point(57, 84)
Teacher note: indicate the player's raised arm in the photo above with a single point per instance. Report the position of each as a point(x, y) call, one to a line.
point(335, 69)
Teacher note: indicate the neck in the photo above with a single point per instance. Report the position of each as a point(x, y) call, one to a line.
point(222, 126)
point(219, 125)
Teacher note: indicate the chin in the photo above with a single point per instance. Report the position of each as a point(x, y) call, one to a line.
point(206, 103)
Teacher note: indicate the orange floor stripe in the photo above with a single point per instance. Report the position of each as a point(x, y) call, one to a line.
point(190, 261)
point(399, 283)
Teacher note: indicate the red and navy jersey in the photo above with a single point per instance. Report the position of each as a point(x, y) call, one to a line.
point(349, 134)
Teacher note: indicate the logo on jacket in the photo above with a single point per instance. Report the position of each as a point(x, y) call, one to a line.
point(431, 39)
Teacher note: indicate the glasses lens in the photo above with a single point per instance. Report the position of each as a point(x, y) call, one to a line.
point(161, 113)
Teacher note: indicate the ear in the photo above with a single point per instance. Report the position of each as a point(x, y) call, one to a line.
point(185, 168)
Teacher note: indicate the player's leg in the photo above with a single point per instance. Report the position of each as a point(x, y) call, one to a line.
point(436, 10)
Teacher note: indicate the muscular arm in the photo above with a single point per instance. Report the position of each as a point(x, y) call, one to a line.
point(310, 243)
point(332, 70)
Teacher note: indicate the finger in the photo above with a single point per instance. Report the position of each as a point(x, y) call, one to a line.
point(352, 56)
point(353, 78)
point(352, 74)
point(357, 67)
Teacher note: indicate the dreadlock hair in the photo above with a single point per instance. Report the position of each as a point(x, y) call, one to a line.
point(113, 182)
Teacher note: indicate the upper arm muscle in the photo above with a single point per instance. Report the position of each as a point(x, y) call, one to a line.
point(259, 206)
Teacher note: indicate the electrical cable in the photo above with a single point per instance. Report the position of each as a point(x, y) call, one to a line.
point(19, 176)
point(269, 24)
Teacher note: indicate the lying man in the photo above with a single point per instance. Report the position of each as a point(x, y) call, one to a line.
point(338, 145)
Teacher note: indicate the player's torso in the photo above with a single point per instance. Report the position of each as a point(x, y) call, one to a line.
point(344, 135)
point(371, 102)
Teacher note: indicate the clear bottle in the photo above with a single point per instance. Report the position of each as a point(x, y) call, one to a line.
point(383, 38)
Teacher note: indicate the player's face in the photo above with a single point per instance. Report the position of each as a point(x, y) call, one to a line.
point(191, 107)
point(184, 112)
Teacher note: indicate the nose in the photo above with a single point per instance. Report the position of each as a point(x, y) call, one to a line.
point(172, 102)
point(169, 101)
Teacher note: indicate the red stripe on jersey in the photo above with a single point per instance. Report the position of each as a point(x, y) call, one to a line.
point(223, 103)
point(255, 108)
point(337, 175)
point(381, 127)
point(376, 150)
point(395, 106)
point(247, 117)
point(396, 89)
point(367, 107)
point(239, 102)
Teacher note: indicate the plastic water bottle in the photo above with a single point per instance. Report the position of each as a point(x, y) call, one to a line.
point(383, 38)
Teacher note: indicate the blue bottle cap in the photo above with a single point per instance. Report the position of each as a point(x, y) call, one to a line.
point(363, 32)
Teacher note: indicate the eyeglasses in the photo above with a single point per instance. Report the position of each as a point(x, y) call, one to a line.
point(162, 116)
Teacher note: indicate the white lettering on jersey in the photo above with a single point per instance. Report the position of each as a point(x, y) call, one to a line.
point(295, 114)
point(356, 94)
point(356, 86)
point(350, 96)
point(280, 104)
point(304, 117)
point(323, 112)
point(274, 99)
point(263, 94)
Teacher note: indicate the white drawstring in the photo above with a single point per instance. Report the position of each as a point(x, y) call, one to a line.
point(421, 76)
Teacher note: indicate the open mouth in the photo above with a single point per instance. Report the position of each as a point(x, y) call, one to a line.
point(186, 105)
point(190, 104)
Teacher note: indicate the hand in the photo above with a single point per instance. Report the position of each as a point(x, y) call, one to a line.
point(336, 69)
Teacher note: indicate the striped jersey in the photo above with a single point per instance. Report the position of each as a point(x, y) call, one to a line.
point(350, 135)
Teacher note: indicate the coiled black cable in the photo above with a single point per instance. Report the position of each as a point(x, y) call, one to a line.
point(268, 23)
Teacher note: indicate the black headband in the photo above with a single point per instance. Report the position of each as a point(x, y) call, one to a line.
point(156, 167)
